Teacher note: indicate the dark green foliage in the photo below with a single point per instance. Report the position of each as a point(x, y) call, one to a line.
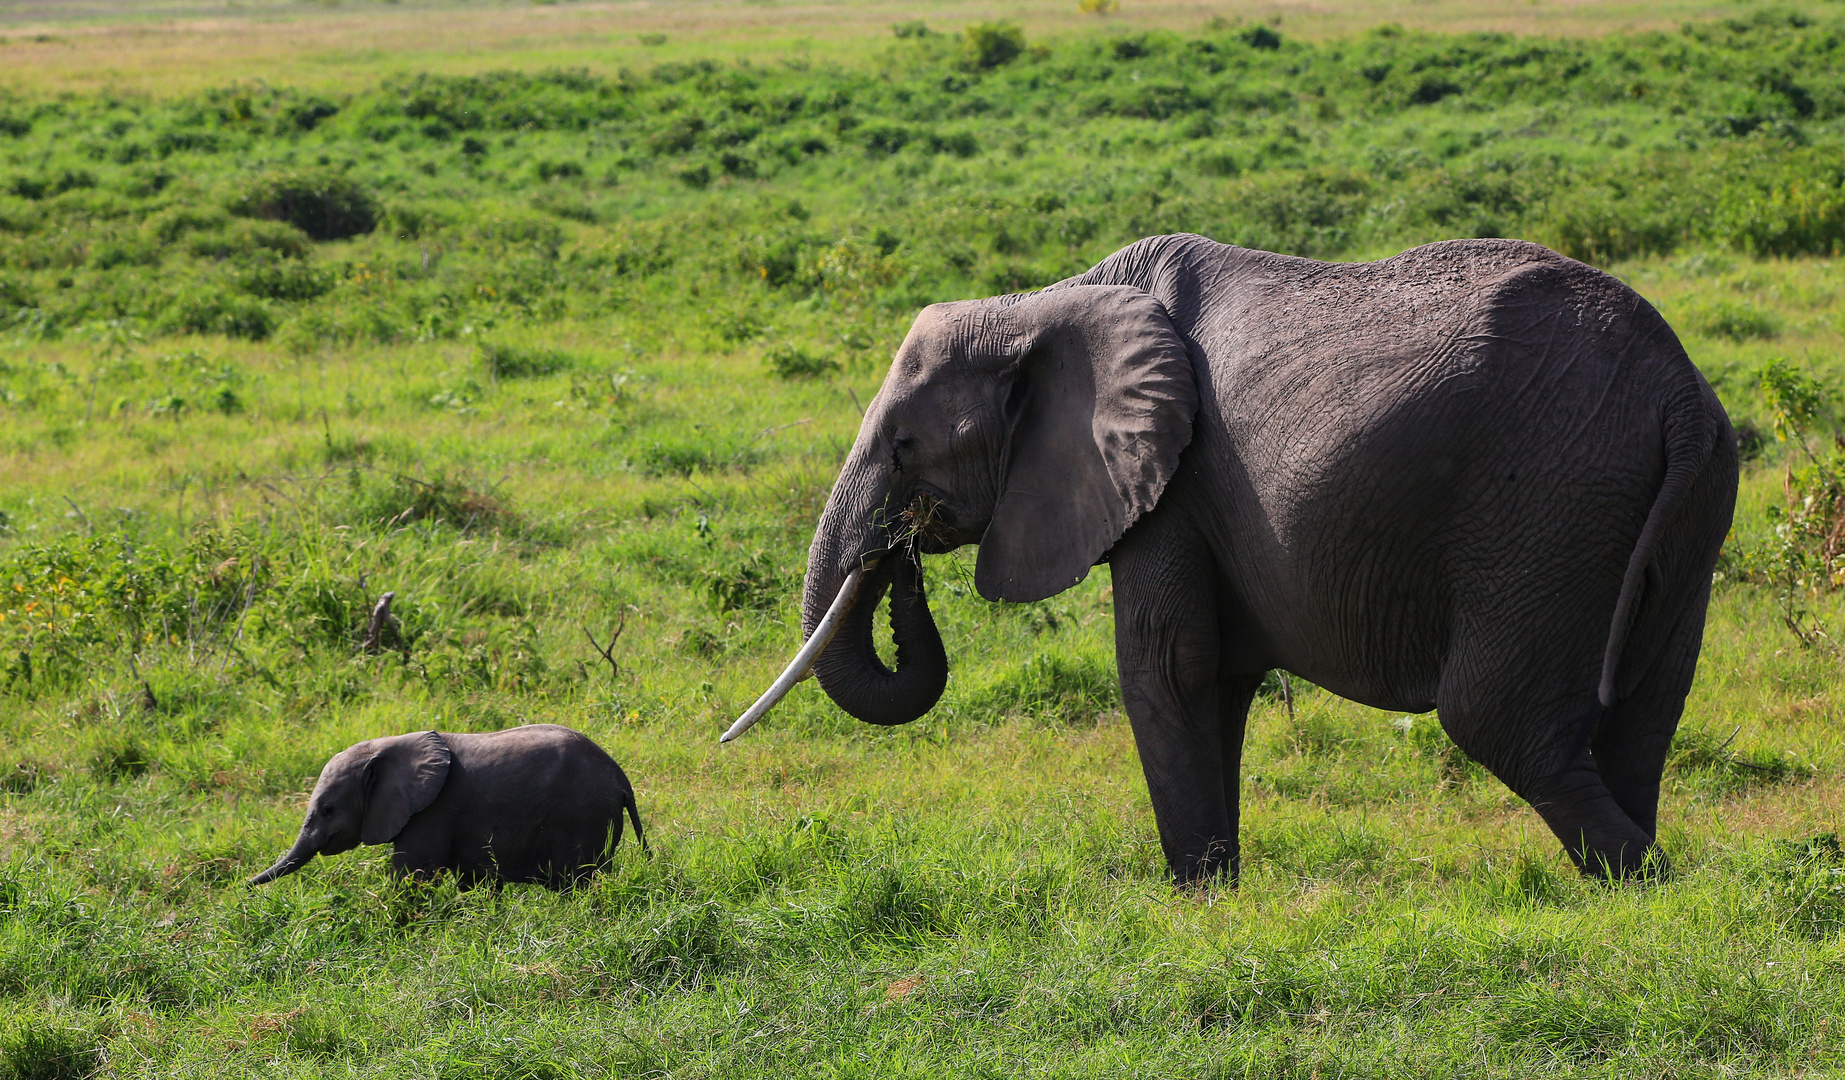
point(514, 198)
point(438, 499)
point(324, 205)
point(120, 761)
point(48, 1052)
point(285, 279)
point(1737, 320)
point(1700, 752)
point(700, 453)
point(789, 362)
point(1808, 881)
point(204, 310)
point(988, 45)
point(1261, 37)
point(515, 362)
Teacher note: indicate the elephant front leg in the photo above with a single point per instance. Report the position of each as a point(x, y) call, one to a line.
point(1187, 718)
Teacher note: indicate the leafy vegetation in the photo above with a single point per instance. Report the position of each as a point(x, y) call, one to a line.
point(555, 357)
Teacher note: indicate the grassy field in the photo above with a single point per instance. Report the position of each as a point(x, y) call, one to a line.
point(158, 47)
point(548, 351)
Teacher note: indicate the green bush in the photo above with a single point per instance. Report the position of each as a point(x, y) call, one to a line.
point(324, 205)
point(990, 45)
point(204, 310)
point(249, 239)
point(1051, 687)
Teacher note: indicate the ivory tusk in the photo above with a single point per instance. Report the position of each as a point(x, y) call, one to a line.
point(802, 665)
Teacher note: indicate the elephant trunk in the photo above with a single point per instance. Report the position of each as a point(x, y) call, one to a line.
point(849, 569)
point(849, 669)
point(306, 847)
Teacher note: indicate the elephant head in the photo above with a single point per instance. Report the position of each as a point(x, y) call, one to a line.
point(366, 795)
point(1038, 426)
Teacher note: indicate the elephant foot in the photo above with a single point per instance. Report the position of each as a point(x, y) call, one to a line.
point(1601, 839)
point(1648, 865)
point(1217, 865)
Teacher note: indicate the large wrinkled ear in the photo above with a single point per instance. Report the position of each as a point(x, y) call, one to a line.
point(405, 776)
point(1101, 405)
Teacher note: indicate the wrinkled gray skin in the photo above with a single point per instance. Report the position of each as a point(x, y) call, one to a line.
point(1477, 477)
point(540, 804)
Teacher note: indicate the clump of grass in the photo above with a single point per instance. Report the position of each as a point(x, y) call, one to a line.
point(1808, 882)
point(46, 1051)
point(789, 362)
point(447, 500)
point(1430, 741)
point(515, 362)
point(1700, 752)
point(699, 454)
point(1049, 687)
point(756, 583)
point(122, 760)
point(1735, 320)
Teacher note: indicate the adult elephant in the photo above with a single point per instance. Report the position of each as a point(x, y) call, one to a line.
point(1477, 477)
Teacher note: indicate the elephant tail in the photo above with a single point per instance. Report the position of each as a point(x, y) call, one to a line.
point(634, 815)
point(1691, 432)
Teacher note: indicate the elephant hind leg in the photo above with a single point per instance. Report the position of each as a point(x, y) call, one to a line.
point(1631, 746)
point(1526, 740)
point(1597, 832)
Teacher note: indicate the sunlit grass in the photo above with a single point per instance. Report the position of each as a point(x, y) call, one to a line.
point(980, 892)
point(181, 47)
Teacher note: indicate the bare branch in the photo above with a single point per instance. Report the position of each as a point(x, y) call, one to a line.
point(608, 653)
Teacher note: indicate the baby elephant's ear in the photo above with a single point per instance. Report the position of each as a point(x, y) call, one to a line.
point(404, 777)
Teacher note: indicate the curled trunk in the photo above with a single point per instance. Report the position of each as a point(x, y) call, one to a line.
point(850, 671)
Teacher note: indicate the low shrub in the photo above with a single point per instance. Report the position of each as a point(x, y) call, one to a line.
point(756, 583)
point(204, 310)
point(1807, 883)
point(685, 456)
point(249, 239)
point(992, 44)
point(324, 205)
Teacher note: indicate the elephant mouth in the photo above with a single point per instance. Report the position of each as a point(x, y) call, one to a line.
point(927, 525)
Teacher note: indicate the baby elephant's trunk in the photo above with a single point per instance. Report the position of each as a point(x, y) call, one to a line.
point(294, 860)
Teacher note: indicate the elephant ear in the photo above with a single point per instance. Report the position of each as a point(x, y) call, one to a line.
point(1100, 405)
point(404, 777)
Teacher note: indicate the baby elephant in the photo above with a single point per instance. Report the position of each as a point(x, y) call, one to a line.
point(540, 803)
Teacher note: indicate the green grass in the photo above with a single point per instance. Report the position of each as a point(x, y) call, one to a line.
point(556, 388)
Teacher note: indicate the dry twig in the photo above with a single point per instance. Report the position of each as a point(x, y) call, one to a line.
point(608, 653)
